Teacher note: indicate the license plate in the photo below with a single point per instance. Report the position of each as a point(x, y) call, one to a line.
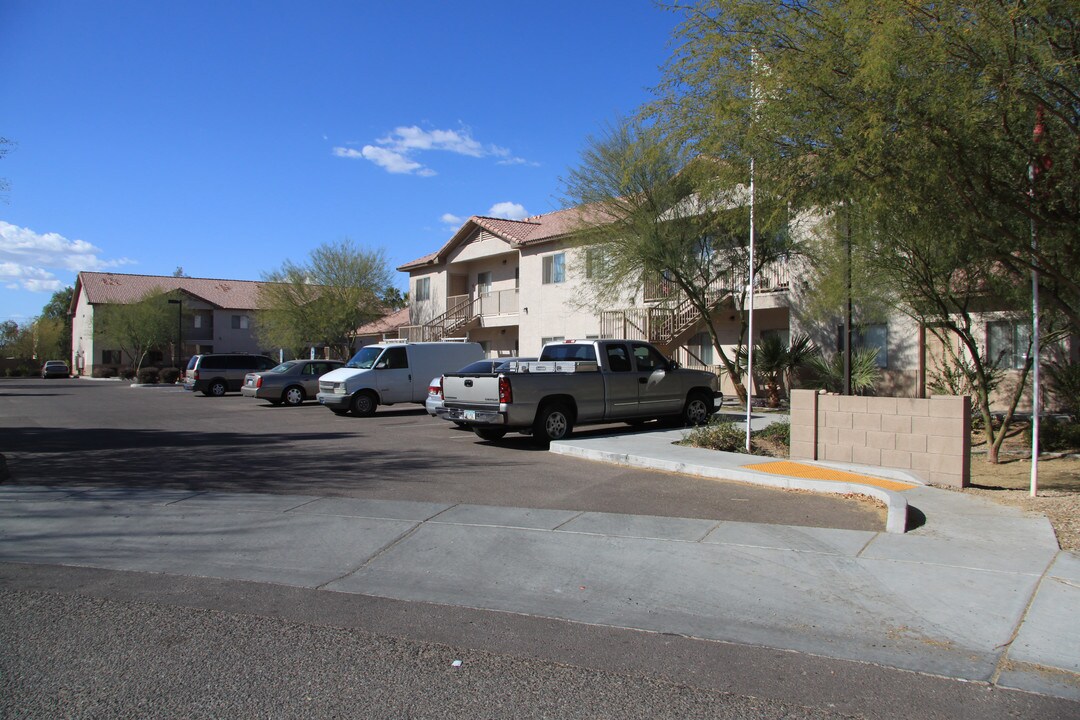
point(470, 414)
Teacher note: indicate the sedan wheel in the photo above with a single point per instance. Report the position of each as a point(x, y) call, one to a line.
point(293, 395)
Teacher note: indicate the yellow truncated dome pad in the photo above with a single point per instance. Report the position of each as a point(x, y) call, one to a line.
point(811, 472)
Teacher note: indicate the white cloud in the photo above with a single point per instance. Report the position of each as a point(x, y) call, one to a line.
point(389, 160)
point(508, 210)
point(28, 259)
point(397, 151)
point(451, 219)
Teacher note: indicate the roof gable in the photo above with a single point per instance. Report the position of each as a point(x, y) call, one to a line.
point(518, 233)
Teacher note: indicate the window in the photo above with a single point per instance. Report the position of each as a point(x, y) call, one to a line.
point(867, 336)
point(1008, 343)
point(239, 322)
point(596, 261)
point(394, 358)
point(197, 320)
point(701, 346)
point(483, 283)
point(423, 289)
point(648, 359)
point(554, 268)
point(783, 335)
point(555, 339)
point(618, 358)
point(111, 357)
point(154, 357)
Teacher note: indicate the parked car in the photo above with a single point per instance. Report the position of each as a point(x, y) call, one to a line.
point(219, 373)
point(434, 402)
point(55, 369)
point(391, 372)
point(291, 382)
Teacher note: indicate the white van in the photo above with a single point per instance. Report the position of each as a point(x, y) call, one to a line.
point(392, 372)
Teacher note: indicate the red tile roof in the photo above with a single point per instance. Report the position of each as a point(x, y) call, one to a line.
point(119, 288)
point(386, 323)
point(519, 233)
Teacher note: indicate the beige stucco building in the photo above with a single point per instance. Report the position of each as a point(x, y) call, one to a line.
point(513, 285)
point(214, 316)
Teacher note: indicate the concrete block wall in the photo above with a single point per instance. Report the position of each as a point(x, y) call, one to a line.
point(930, 438)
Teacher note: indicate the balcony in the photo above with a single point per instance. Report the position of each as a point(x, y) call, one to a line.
point(489, 309)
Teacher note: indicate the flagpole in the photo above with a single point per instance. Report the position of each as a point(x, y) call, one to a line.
point(750, 322)
point(1038, 164)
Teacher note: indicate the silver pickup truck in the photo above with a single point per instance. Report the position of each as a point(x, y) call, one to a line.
point(580, 383)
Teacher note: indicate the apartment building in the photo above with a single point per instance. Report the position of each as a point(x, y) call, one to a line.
point(214, 316)
point(513, 285)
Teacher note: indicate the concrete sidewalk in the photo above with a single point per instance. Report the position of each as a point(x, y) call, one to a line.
point(979, 591)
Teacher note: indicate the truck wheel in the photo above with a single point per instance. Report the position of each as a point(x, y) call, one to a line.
point(553, 422)
point(364, 404)
point(491, 434)
point(698, 409)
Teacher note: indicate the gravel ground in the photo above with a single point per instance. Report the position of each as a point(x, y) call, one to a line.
point(68, 656)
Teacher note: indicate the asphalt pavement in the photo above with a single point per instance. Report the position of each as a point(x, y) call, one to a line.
point(972, 590)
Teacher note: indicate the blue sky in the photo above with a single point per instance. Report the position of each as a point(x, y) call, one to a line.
point(229, 137)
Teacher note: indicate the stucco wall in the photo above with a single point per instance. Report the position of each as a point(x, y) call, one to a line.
point(930, 438)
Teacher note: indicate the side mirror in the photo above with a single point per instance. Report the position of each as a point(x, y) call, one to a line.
point(673, 365)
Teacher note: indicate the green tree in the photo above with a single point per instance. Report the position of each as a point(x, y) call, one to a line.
point(914, 127)
point(139, 327)
point(9, 334)
point(58, 309)
point(324, 300)
point(647, 211)
point(912, 110)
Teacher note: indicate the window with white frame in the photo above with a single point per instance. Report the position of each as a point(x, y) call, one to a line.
point(239, 322)
point(423, 289)
point(554, 268)
point(555, 339)
point(1008, 343)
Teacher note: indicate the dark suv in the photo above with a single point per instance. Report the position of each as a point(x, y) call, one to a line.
point(219, 373)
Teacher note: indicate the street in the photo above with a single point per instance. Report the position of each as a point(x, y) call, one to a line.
point(82, 641)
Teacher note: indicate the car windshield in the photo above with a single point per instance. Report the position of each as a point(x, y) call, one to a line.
point(365, 358)
point(283, 367)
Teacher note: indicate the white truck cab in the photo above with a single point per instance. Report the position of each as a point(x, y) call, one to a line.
point(392, 372)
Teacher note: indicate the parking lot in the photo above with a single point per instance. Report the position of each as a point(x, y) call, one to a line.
point(108, 433)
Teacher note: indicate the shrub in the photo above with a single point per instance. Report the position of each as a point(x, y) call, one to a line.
point(718, 435)
point(778, 432)
point(103, 372)
point(1064, 380)
point(170, 375)
point(1056, 435)
point(149, 375)
point(127, 373)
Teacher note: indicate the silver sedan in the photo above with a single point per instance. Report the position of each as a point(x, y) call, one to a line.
point(291, 382)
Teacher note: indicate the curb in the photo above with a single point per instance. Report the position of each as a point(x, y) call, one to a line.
point(896, 504)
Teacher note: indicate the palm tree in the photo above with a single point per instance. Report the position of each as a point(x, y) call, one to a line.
point(776, 363)
point(829, 371)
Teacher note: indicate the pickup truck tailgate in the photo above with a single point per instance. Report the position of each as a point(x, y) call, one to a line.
point(480, 390)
